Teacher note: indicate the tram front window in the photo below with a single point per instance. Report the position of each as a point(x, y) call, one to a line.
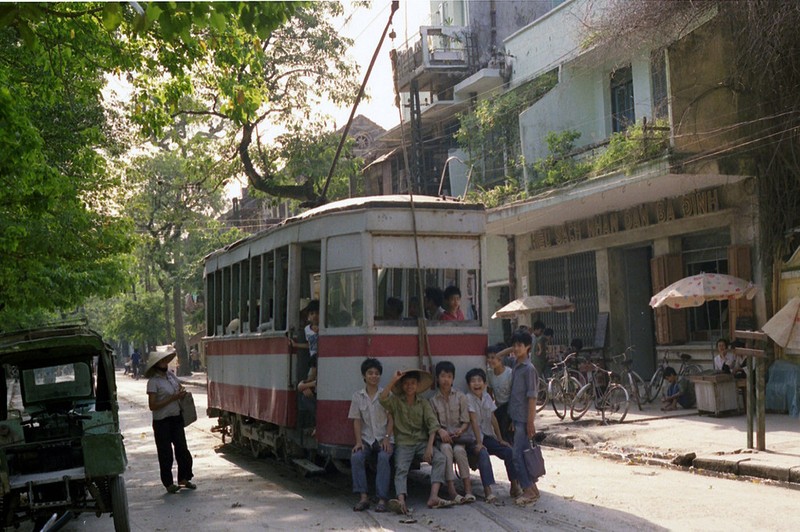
point(345, 300)
point(398, 301)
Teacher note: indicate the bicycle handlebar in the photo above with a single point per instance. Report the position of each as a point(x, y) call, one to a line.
point(562, 362)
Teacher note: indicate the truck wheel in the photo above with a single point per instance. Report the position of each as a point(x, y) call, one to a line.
point(119, 504)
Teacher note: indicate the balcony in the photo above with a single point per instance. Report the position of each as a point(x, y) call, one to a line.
point(440, 54)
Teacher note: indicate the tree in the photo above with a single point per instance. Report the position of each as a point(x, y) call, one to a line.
point(60, 242)
point(176, 195)
point(252, 86)
point(61, 239)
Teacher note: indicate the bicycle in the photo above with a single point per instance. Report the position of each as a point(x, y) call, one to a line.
point(630, 379)
point(610, 398)
point(541, 397)
point(562, 387)
point(657, 380)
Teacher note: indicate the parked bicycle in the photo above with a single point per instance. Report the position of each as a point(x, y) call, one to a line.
point(541, 397)
point(563, 386)
point(630, 379)
point(657, 380)
point(609, 397)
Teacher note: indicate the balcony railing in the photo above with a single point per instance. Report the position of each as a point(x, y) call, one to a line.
point(444, 49)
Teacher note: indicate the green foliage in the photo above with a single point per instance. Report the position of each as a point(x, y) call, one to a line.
point(625, 150)
point(305, 153)
point(59, 243)
point(490, 131)
point(631, 147)
point(558, 167)
point(247, 84)
point(62, 239)
point(137, 318)
point(496, 196)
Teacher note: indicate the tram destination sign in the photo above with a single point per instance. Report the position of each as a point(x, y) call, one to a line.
point(638, 216)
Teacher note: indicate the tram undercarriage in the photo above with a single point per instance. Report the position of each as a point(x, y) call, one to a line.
point(295, 447)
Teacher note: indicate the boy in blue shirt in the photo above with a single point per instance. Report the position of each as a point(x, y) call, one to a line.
point(522, 410)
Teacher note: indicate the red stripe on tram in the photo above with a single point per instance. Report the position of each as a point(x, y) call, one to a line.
point(248, 346)
point(266, 404)
point(401, 345)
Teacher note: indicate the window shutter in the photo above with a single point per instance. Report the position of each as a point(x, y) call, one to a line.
point(739, 265)
point(670, 323)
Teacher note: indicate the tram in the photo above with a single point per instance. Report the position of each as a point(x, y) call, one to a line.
point(351, 255)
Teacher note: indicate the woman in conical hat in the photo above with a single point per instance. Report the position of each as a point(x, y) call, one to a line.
point(163, 392)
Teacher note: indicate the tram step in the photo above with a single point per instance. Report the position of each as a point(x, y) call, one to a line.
point(309, 467)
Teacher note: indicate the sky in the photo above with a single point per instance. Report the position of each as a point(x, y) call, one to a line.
point(365, 27)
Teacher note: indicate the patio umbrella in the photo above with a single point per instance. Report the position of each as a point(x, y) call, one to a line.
point(531, 304)
point(695, 290)
point(784, 326)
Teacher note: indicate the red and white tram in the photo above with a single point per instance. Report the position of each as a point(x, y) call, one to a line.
point(352, 255)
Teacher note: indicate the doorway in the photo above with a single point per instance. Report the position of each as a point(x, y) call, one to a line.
point(639, 315)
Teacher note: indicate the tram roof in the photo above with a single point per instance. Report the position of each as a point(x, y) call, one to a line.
point(386, 202)
point(390, 201)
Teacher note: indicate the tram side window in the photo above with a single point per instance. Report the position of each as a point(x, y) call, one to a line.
point(244, 297)
point(281, 287)
point(397, 290)
point(265, 308)
point(254, 303)
point(345, 301)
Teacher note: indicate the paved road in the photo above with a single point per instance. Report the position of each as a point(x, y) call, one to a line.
point(580, 492)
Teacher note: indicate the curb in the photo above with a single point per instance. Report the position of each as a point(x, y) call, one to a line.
point(738, 465)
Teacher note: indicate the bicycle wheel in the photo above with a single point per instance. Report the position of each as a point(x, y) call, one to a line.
point(656, 381)
point(578, 376)
point(583, 399)
point(615, 404)
point(635, 387)
point(541, 397)
point(692, 369)
point(556, 393)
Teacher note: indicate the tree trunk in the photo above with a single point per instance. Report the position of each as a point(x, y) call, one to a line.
point(167, 325)
point(184, 366)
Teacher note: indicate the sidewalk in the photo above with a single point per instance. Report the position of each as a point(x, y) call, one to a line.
point(683, 439)
point(679, 438)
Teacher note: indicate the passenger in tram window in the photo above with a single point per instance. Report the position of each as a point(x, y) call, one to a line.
point(357, 312)
point(452, 410)
point(434, 298)
point(372, 427)
point(415, 427)
point(311, 312)
point(522, 409)
point(452, 304)
point(393, 309)
point(308, 386)
point(488, 439)
point(413, 307)
point(499, 378)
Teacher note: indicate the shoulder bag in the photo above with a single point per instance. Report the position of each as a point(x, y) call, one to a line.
point(188, 411)
point(534, 461)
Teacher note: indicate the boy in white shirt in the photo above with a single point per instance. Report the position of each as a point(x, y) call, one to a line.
point(372, 427)
point(488, 438)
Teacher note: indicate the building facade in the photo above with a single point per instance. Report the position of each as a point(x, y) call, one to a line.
point(610, 241)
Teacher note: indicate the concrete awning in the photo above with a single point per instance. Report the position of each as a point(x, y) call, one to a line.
point(597, 196)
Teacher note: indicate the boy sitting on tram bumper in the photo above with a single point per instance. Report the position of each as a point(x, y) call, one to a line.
point(372, 427)
point(415, 427)
point(488, 436)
